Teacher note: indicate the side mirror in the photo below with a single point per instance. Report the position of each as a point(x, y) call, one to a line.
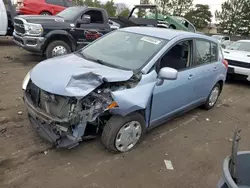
point(167, 73)
point(86, 19)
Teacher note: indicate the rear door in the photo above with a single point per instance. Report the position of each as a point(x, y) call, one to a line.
point(56, 6)
point(206, 66)
point(3, 19)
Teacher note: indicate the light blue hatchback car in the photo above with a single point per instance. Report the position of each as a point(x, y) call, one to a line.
point(122, 85)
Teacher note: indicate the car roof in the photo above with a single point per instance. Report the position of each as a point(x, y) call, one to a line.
point(164, 33)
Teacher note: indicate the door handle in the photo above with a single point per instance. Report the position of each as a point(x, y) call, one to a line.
point(216, 68)
point(191, 77)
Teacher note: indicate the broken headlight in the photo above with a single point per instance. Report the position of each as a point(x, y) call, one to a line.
point(26, 81)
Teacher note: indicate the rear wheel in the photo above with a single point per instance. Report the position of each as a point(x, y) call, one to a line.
point(122, 134)
point(213, 97)
point(45, 13)
point(57, 48)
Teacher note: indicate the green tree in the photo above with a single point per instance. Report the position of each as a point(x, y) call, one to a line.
point(78, 2)
point(179, 7)
point(92, 3)
point(231, 16)
point(200, 16)
point(124, 13)
point(164, 6)
point(110, 8)
point(144, 1)
point(244, 26)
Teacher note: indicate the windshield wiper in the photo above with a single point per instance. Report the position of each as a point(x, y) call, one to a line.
point(99, 61)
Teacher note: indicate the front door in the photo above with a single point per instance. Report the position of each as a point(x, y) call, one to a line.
point(174, 96)
point(87, 33)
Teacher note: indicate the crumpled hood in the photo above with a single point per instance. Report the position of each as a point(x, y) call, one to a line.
point(237, 55)
point(72, 75)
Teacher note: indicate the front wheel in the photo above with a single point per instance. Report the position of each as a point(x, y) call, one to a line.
point(172, 27)
point(57, 48)
point(45, 13)
point(213, 97)
point(122, 134)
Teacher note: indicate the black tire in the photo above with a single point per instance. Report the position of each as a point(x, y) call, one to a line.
point(207, 106)
point(53, 44)
point(230, 77)
point(113, 126)
point(172, 27)
point(45, 13)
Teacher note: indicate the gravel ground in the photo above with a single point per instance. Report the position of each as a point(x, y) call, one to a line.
point(196, 143)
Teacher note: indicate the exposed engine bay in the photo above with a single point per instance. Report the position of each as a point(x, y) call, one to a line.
point(69, 120)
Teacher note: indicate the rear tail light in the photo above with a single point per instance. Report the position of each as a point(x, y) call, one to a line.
point(225, 62)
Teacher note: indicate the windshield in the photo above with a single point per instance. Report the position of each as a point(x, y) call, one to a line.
point(123, 50)
point(240, 46)
point(70, 13)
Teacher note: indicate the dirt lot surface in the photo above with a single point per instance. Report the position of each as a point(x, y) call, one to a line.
point(196, 143)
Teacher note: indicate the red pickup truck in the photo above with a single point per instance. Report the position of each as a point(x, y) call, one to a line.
point(42, 7)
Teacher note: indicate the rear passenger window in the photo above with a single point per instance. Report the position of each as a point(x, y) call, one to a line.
point(55, 2)
point(206, 52)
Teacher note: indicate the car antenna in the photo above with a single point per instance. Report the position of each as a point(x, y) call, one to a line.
point(233, 161)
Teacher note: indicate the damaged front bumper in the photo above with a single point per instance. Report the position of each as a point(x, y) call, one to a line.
point(49, 128)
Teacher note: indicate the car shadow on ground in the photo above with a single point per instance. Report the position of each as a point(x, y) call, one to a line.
point(6, 41)
point(24, 58)
point(238, 80)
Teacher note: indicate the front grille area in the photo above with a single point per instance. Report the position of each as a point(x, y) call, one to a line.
point(55, 105)
point(19, 26)
point(18, 40)
point(238, 63)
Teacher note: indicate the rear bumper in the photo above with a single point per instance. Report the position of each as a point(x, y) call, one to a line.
point(241, 71)
point(45, 126)
point(29, 43)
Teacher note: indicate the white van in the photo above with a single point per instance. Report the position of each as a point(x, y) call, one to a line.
point(7, 13)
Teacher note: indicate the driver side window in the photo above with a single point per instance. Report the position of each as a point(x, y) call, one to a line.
point(95, 16)
point(178, 57)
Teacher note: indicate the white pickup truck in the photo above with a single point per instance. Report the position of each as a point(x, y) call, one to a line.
point(7, 13)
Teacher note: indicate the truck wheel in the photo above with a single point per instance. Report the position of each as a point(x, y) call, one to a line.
point(172, 27)
point(213, 97)
point(57, 48)
point(121, 134)
point(45, 13)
